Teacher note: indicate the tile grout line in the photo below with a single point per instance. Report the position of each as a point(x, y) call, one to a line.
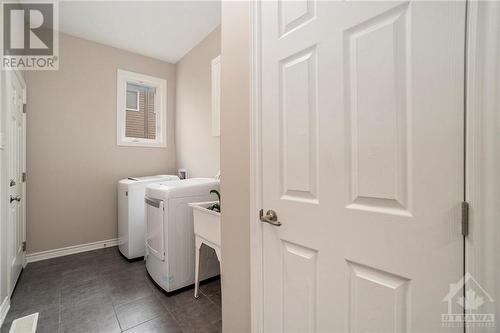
point(166, 308)
point(209, 298)
point(116, 317)
point(124, 304)
point(114, 309)
point(142, 322)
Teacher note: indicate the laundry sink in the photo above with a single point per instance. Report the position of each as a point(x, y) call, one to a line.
point(206, 222)
point(206, 231)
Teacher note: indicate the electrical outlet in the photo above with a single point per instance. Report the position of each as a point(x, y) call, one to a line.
point(182, 173)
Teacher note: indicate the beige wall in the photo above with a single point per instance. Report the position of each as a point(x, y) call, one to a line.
point(73, 162)
point(198, 151)
point(235, 162)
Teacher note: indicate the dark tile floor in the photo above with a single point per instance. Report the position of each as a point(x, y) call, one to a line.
point(99, 291)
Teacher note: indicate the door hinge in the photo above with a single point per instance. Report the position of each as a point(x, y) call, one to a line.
point(465, 218)
point(24, 177)
point(24, 108)
point(24, 246)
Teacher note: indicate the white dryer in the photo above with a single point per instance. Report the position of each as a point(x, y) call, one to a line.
point(170, 248)
point(131, 213)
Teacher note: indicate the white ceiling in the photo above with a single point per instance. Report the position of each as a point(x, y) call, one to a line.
point(165, 30)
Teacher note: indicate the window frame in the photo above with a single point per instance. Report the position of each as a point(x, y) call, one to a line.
point(137, 102)
point(124, 77)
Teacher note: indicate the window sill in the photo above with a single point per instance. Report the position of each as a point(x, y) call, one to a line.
point(141, 144)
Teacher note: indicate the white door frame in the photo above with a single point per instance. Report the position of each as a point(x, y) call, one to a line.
point(482, 86)
point(256, 229)
point(4, 302)
point(9, 75)
point(474, 94)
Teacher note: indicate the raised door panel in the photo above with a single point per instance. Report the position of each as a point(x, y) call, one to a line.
point(298, 127)
point(299, 288)
point(294, 14)
point(378, 300)
point(377, 72)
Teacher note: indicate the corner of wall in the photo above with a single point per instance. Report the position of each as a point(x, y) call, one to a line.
point(235, 165)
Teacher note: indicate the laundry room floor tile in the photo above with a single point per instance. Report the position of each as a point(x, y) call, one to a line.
point(138, 311)
point(160, 324)
point(100, 291)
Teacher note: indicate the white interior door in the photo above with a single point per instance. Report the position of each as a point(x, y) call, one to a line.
point(16, 144)
point(362, 160)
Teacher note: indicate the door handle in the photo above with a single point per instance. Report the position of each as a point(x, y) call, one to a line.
point(18, 199)
point(271, 217)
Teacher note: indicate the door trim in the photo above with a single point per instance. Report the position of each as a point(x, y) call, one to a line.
point(256, 237)
point(482, 81)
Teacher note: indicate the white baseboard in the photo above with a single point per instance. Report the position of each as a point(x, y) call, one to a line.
point(4, 309)
point(64, 251)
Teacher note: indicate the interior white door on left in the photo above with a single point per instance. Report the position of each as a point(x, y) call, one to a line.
point(16, 166)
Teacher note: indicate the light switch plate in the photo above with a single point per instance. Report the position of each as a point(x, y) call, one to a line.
point(2, 140)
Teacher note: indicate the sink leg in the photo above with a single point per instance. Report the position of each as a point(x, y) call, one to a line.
point(198, 243)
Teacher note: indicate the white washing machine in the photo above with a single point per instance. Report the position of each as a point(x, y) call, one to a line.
point(170, 252)
point(131, 213)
